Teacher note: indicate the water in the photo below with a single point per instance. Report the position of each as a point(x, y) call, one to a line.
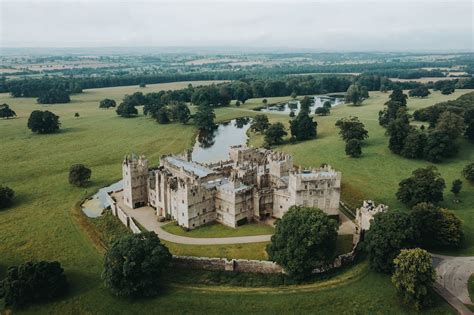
point(214, 146)
point(209, 147)
point(94, 206)
point(295, 106)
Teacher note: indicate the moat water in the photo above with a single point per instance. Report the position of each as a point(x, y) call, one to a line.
point(209, 147)
point(295, 106)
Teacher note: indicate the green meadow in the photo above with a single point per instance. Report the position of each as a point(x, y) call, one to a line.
point(44, 224)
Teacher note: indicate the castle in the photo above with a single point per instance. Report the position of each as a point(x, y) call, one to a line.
point(254, 184)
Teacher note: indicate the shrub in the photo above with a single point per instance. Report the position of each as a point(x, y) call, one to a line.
point(33, 282)
point(468, 172)
point(414, 277)
point(304, 239)
point(353, 148)
point(107, 103)
point(134, 264)
point(43, 121)
point(6, 196)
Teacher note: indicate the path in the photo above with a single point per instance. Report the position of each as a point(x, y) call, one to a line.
point(453, 274)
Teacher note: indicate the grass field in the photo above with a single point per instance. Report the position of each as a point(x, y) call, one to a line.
point(220, 230)
point(42, 223)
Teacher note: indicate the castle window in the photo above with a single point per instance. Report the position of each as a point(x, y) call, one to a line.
point(305, 186)
point(281, 207)
point(193, 224)
point(194, 194)
point(204, 210)
point(204, 221)
point(182, 214)
point(203, 198)
point(182, 201)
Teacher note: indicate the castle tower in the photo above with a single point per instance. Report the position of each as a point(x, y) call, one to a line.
point(135, 174)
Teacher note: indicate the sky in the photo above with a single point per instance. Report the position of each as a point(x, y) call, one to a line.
point(350, 25)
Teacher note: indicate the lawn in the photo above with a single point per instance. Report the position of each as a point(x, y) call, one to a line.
point(220, 230)
point(377, 173)
point(43, 223)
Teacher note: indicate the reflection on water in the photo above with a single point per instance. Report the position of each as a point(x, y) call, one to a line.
point(295, 106)
point(213, 146)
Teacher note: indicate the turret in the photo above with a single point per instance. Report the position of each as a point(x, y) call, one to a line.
point(135, 175)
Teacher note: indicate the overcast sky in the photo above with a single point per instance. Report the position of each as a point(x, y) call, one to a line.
point(319, 25)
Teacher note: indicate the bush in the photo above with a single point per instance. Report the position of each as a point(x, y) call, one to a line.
point(33, 282)
point(6, 111)
point(107, 103)
point(304, 239)
point(353, 148)
point(43, 122)
point(414, 277)
point(389, 233)
point(6, 196)
point(134, 264)
point(127, 110)
point(79, 175)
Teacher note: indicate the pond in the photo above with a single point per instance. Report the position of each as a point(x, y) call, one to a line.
point(214, 146)
point(286, 108)
point(210, 147)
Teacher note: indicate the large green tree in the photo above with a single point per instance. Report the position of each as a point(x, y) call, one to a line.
point(351, 128)
point(468, 172)
point(275, 133)
point(354, 95)
point(303, 127)
point(204, 118)
point(398, 130)
point(353, 148)
point(127, 110)
point(107, 103)
point(6, 111)
point(79, 175)
point(439, 145)
point(425, 185)
point(33, 282)
point(43, 121)
point(451, 123)
point(304, 239)
point(389, 233)
point(259, 123)
point(134, 264)
point(414, 276)
point(414, 146)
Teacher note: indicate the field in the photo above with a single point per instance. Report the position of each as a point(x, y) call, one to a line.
point(41, 224)
point(220, 230)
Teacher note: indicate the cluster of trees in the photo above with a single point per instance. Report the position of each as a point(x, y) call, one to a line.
point(53, 96)
point(38, 87)
point(6, 111)
point(273, 133)
point(353, 132)
point(6, 196)
point(421, 91)
point(356, 94)
point(43, 122)
point(107, 103)
point(33, 282)
point(461, 109)
point(302, 126)
point(79, 175)
point(304, 239)
point(324, 110)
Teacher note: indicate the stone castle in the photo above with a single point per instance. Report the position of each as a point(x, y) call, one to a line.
point(253, 184)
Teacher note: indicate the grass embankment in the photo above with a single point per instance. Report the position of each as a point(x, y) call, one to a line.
point(41, 223)
point(220, 230)
point(377, 173)
point(470, 287)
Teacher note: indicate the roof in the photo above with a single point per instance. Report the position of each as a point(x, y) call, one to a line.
point(192, 167)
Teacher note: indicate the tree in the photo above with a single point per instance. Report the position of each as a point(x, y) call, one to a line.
point(264, 101)
point(237, 103)
point(439, 145)
point(390, 113)
point(6, 111)
point(456, 187)
point(6, 196)
point(414, 146)
point(294, 95)
point(469, 122)
point(54, 96)
point(351, 128)
point(107, 103)
point(305, 104)
point(126, 110)
point(79, 175)
point(142, 85)
point(414, 276)
point(260, 123)
point(398, 130)
point(162, 116)
point(451, 123)
point(421, 91)
point(43, 122)
point(180, 112)
point(304, 239)
point(353, 94)
point(134, 264)
point(76, 115)
point(468, 172)
point(275, 133)
point(447, 90)
point(397, 95)
point(389, 233)
point(322, 111)
point(204, 118)
point(425, 185)
point(438, 228)
point(353, 148)
point(33, 282)
point(303, 127)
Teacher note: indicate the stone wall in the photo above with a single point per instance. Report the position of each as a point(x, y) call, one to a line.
point(223, 264)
